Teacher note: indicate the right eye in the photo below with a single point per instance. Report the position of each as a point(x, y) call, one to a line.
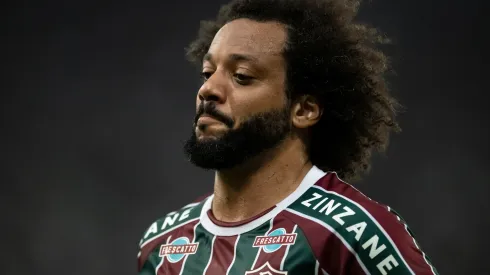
point(206, 75)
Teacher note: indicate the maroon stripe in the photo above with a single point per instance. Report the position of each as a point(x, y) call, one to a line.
point(389, 221)
point(329, 250)
point(174, 268)
point(274, 258)
point(223, 253)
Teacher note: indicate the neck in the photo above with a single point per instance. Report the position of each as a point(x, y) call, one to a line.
point(248, 190)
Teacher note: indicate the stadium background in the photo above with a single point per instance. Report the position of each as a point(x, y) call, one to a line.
point(98, 98)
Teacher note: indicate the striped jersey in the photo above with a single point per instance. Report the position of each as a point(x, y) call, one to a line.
point(325, 226)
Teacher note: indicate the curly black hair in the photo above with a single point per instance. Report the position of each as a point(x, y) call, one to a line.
point(334, 59)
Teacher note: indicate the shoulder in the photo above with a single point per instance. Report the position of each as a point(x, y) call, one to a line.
point(159, 231)
point(172, 221)
point(335, 213)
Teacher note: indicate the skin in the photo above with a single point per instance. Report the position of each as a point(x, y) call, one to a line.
point(245, 74)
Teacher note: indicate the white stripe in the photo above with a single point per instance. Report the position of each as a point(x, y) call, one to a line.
point(187, 256)
point(414, 241)
point(159, 265)
point(331, 229)
point(191, 205)
point(234, 255)
point(163, 258)
point(287, 249)
point(260, 248)
point(374, 221)
point(168, 230)
point(310, 179)
point(423, 253)
point(318, 268)
point(210, 256)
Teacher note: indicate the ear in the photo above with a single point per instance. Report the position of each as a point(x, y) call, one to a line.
point(305, 112)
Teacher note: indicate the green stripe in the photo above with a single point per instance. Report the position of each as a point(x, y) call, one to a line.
point(245, 252)
point(147, 269)
point(196, 263)
point(383, 254)
point(300, 258)
point(151, 263)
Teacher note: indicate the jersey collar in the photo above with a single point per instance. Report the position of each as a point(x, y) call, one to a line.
point(309, 180)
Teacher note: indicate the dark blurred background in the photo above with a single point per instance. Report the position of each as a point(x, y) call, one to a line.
point(98, 98)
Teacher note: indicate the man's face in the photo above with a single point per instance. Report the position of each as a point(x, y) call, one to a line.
point(242, 105)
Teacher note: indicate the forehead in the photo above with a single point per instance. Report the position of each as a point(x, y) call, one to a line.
point(245, 36)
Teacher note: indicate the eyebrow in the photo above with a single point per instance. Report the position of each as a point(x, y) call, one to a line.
point(234, 57)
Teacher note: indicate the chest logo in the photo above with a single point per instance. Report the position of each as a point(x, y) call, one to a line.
point(177, 249)
point(266, 269)
point(274, 240)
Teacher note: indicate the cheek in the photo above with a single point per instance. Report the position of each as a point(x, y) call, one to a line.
point(246, 104)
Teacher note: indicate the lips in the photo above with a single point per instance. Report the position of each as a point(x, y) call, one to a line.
point(206, 119)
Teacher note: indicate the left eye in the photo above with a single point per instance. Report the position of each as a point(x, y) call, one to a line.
point(242, 79)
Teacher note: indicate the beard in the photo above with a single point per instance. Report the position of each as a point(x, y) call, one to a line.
point(258, 133)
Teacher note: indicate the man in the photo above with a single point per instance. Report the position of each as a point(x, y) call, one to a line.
point(292, 88)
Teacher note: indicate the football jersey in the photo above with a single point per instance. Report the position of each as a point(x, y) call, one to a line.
point(325, 226)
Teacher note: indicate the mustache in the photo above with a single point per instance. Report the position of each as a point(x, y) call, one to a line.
point(211, 110)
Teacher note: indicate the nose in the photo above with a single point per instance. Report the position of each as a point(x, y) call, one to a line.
point(213, 89)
